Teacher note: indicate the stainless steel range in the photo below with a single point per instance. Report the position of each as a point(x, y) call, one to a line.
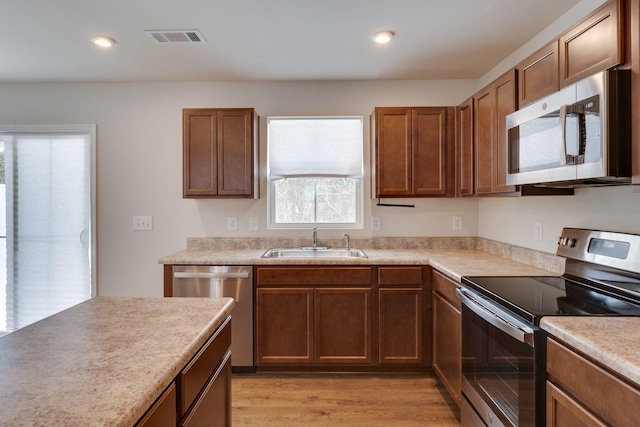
point(503, 347)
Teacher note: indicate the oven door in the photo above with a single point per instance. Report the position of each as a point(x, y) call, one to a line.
point(503, 366)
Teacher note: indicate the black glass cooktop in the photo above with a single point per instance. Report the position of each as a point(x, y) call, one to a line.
point(534, 297)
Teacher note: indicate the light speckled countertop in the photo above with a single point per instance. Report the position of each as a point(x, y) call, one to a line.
point(612, 341)
point(102, 362)
point(453, 262)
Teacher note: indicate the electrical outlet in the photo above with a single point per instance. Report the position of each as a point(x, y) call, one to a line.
point(142, 223)
point(232, 223)
point(457, 222)
point(375, 223)
point(537, 230)
point(254, 223)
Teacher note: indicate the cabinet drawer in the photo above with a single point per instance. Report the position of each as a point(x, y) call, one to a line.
point(446, 287)
point(163, 411)
point(198, 371)
point(598, 390)
point(313, 276)
point(213, 407)
point(403, 276)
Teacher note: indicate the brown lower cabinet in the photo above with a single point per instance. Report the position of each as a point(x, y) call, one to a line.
point(582, 392)
point(201, 393)
point(346, 316)
point(447, 334)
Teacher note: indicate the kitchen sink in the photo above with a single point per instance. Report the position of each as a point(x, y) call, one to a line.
point(313, 253)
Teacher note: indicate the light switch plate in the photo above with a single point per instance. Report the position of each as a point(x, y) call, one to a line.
point(142, 223)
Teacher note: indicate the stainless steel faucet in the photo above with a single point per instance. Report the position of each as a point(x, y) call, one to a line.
point(346, 241)
point(314, 238)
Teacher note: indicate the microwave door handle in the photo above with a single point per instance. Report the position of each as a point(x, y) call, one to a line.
point(563, 129)
point(582, 123)
point(521, 333)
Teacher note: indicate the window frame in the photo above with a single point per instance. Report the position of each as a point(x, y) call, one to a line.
point(359, 184)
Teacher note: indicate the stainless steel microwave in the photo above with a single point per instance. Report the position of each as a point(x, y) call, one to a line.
point(578, 136)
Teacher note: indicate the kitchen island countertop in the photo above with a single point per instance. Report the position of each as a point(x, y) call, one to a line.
point(102, 362)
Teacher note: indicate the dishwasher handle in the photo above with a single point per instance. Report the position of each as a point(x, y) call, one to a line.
point(212, 275)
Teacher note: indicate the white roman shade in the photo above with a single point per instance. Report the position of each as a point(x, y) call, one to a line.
point(315, 147)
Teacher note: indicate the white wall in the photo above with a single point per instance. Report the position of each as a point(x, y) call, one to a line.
point(140, 161)
point(511, 220)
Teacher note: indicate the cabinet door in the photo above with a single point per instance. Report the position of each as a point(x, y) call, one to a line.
point(200, 136)
point(538, 74)
point(447, 345)
point(604, 393)
point(484, 129)
point(635, 94)
point(433, 151)
point(393, 152)
point(594, 45)
point(506, 103)
point(400, 326)
point(343, 326)
point(163, 411)
point(563, 411)
point(284, 326)
point(213, 407)
point(235, 152)
point(465, 148)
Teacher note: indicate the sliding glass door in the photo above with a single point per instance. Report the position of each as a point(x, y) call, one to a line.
point(49, 221)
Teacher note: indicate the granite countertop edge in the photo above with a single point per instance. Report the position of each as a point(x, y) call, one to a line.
point(613, 341)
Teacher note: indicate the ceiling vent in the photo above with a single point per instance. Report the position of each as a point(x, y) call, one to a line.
point(176, 36)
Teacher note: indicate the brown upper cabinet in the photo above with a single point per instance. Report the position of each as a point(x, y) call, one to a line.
point(220, 153)
point(464, 141)
point(635, 92)
point(413, 151)
point(594, 44)
point(538, 74)
point(482, 138)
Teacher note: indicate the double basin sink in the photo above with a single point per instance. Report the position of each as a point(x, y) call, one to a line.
point(314, 252)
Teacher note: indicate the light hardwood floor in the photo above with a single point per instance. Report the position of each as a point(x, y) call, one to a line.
point(370, 400)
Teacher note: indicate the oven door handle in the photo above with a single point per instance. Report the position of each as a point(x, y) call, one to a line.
point(497, 317)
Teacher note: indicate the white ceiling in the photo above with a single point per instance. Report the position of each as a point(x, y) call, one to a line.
point(265, 40)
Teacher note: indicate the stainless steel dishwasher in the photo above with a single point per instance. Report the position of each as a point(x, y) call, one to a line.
point(236, 282)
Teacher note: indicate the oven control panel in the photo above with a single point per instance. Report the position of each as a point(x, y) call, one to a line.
point(618, 250)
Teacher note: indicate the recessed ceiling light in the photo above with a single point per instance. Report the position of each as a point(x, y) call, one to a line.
point(383, 37)
point(103, 41)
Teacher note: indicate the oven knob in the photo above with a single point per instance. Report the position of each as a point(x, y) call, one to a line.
point(562, 241)
point(571, 243)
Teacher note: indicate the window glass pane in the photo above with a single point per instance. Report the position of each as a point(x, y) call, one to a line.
point(320, 200)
